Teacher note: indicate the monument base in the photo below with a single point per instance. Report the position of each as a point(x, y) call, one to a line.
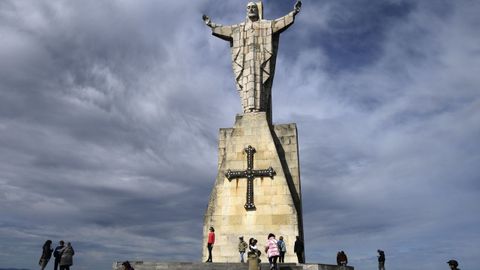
point(141, 265)
point(276, 199)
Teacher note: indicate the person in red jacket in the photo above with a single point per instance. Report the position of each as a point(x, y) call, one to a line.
point(211, 241)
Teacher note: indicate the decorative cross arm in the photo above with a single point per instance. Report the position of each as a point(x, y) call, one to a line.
point(270, 172)
point(235, 174)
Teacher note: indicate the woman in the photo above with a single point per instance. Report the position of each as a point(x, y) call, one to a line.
point(46, 254)
point(272, 251)
point(211, 241)
point(66, 259)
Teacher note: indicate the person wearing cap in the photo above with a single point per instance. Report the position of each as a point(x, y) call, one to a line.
point(242, 247)
point(453, 265)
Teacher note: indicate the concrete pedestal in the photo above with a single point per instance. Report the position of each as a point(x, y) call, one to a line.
point(278, 207)
point(140, 265)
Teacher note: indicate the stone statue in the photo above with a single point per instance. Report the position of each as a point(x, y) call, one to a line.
point(254, 46)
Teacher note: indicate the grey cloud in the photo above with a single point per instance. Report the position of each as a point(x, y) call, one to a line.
point(109, 114)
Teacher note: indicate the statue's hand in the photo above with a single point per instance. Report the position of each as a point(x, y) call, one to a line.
point(297, 7)
point(207, 20)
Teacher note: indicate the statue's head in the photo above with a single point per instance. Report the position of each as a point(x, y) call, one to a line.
point(252, 11)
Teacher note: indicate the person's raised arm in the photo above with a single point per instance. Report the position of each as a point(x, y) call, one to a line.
point(281, 24)
point(218, 30)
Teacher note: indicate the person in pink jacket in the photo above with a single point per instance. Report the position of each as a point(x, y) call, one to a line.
point(272, 251)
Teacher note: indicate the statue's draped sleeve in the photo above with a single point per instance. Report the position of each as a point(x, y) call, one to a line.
point(223, 32)
point(281, 24)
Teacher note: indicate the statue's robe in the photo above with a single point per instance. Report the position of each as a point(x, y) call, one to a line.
point(254, 48)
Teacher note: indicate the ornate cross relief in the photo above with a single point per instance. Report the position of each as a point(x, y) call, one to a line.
point(250, 174)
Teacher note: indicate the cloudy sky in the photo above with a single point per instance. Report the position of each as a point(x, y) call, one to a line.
point(110, 110)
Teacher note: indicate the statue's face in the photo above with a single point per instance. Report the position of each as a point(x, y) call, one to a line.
point(252, 11)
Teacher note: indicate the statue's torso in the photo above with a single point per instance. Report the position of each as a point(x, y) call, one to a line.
point(252, 53)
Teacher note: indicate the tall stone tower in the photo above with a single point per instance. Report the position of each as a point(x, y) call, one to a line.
point(257, 190)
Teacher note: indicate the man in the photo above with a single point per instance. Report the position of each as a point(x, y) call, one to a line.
point(381, 259)
point(254, 45)
point(299, 248)
point(242, 247)
point(453, 265)
point(57, 253)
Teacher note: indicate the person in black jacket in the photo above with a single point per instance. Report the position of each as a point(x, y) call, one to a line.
point(453, 265)
point(342, 259)
point(127, 266)
point(57, 254)
point(381, 259)
point(299, 249)
point(46, 254)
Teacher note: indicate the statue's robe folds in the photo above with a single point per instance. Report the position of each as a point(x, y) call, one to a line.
point(254, 48)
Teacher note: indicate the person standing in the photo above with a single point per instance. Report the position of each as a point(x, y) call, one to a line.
point(342, 258)
point(46, 254)
point(66, 259)
point(210, 242)
point(453, 265)
point(57, 254)
point(299, 249)
point(381, 259)
point(242, 247)
point(271, 249)
point(282, 248)
point(126, 266)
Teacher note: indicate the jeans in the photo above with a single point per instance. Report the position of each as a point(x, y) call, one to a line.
point(241, 256)
point(381, 265)
point(210, 247)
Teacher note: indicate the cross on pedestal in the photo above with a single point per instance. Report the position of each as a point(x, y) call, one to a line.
point(250, 174)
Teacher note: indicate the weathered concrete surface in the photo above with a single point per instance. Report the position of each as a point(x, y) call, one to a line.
point(277, 200)
point(140, 265)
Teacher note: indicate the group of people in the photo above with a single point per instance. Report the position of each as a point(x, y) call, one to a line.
point(342, 260)
point(275, 249)
point(63, 255)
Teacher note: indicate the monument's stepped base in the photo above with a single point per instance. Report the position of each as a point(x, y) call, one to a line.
point(140, 265)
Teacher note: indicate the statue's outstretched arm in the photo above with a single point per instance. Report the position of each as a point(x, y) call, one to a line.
point(281, 24)
point(297, 7)
point(218, 30)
